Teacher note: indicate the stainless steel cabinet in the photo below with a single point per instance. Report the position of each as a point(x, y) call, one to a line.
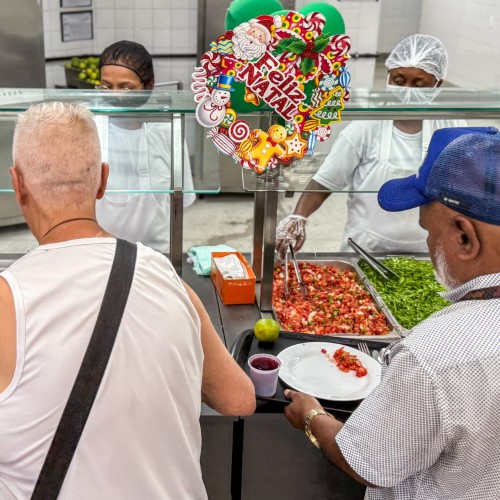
point(280, 462)
point(10, 213)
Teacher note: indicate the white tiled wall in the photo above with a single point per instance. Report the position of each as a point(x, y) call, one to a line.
point(170, 69)
point(163, 26)
point(470, 30)
point(169, 27)
point(398, 19)
point(362, 71)
point(361, 20)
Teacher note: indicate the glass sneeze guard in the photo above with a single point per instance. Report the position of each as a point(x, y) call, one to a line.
point(174, 110)
point(148, 138)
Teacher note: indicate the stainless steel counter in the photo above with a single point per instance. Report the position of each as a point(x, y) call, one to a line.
point(269, 459)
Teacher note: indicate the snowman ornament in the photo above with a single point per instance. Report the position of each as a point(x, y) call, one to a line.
point(211, 111)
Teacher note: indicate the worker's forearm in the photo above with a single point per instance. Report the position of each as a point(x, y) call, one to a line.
point(310, 201)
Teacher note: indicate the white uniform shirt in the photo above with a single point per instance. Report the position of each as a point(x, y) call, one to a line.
point(356, 152)
point(142, 439)
point(430, 429)
point(364, 156)
point(139, 161)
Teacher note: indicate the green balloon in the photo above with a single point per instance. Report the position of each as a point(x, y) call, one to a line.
point(283, 12)
point(334, 21)
point(240, 11)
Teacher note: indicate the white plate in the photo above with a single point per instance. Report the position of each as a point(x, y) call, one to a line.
point(306, 369)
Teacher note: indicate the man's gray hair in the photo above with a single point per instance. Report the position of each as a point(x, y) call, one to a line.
point(56, 148)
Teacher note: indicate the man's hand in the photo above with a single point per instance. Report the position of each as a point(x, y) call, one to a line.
point(324, 429)
point(301, 404)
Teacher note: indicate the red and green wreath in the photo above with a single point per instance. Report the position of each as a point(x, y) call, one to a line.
point(285, 61)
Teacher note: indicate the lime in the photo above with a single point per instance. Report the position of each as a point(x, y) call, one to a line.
point(267, 330)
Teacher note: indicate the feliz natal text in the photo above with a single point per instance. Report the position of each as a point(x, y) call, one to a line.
point(281, 91)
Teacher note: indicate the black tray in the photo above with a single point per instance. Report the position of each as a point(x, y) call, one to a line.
point(247, 344)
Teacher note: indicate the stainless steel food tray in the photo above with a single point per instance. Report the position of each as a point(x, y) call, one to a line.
point(397, 331)
point(402, 331)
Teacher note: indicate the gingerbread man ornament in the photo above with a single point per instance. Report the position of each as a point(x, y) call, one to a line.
point(265, 145)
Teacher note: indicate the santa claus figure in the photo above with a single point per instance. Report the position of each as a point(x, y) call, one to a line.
point(250, 39)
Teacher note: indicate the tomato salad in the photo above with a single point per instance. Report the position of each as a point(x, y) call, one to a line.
point(346, 362)
point(335, 303)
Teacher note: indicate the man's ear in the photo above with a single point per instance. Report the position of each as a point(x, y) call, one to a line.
point(466, 238)
point(439, 83)
point(104, 181)
point(18, 185)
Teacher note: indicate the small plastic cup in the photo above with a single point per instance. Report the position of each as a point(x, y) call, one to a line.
point(264, 369)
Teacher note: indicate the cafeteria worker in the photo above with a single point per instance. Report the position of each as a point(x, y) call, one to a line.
point(368, 153)
point(138, 153)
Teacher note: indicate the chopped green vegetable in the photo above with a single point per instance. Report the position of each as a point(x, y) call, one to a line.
point(412, 298)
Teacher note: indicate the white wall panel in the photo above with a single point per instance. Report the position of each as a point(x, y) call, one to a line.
point(398, 19)
point(142, 21)
point(470, 30)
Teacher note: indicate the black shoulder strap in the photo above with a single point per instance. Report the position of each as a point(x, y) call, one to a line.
point(89, 377)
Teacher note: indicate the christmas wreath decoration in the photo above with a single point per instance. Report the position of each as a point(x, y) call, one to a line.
point(285, 60)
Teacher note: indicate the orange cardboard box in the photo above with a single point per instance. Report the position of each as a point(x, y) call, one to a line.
point(233, 291)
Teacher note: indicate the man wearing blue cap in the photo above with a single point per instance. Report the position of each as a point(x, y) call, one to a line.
point(430, 429)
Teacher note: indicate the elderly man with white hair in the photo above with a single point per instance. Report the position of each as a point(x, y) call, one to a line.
point(142, 437)
point(368, 153)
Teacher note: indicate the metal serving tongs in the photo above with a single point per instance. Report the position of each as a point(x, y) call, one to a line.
point(285, 288)
point(297, 271)
point(375, 264)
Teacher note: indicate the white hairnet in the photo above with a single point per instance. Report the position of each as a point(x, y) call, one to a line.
point(420, 51)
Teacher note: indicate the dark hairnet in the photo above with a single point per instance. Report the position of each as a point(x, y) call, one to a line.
point(130, 55)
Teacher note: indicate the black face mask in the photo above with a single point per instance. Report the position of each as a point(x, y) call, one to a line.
point(127, 98)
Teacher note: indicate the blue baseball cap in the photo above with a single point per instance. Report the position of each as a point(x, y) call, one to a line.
point(461, 170)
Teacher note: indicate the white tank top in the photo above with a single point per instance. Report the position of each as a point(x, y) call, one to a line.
point(142, 439)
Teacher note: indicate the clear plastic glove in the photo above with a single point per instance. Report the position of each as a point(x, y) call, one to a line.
point(291, 230)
